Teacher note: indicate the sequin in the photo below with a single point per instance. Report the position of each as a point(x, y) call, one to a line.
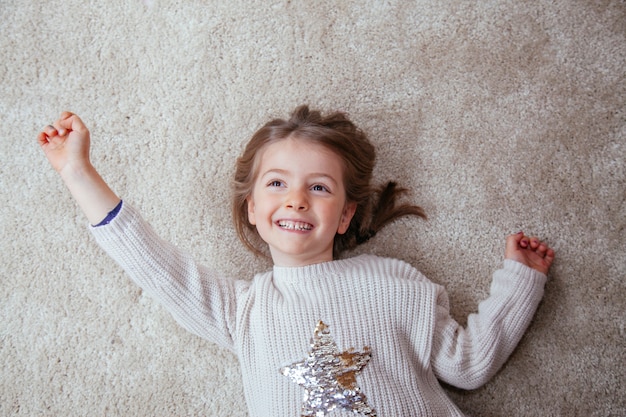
point(329, 377)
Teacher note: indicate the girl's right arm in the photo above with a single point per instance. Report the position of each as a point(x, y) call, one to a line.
point(199, 299)
point(66, 145)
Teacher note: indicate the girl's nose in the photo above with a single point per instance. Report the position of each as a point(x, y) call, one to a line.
point(297, 200)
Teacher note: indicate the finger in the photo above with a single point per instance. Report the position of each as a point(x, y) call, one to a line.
point(513, 242)
point(50, 131)
point(47, 135)
point(43, 139)
point(541, 250)
point(550, 255)
point(69, 121)
point(534, 243)
point(524, 241)
point(59, 126)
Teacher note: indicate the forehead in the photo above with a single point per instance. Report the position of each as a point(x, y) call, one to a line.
point(298, 155)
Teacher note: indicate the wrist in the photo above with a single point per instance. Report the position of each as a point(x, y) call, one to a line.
point(90, 191)
point(77, 171)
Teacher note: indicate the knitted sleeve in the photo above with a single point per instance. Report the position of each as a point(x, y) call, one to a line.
point(468, 357)
point(200, 300)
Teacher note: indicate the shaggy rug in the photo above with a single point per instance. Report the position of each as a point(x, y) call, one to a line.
point(497, 115)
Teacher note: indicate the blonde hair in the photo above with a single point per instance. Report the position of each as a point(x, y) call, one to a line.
point(375, 206)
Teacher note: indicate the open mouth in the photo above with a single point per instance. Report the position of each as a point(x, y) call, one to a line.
point(290, 225)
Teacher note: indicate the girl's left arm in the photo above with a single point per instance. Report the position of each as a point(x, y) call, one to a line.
point(467, 357)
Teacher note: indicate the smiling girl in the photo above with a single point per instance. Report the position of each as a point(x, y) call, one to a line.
point(316, 334)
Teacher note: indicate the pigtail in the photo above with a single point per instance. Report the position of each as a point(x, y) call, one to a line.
point(385, 210)
point(374, 212)
point(381, 210)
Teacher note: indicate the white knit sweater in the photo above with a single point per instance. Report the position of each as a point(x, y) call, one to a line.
point(366, 301)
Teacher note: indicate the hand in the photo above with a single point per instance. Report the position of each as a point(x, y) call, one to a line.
point(530, 251)
point(66, 143)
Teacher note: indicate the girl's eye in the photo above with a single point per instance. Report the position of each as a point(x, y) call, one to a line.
point(275, 183)
point(319, 187)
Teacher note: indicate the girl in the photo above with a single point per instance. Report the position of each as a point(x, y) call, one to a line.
point(315, 335)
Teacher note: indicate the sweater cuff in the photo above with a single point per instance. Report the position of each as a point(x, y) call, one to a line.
point(112, 214)
point(519, 268)
point(517, 275)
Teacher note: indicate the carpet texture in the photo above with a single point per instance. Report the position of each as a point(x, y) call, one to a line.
point(497, 115)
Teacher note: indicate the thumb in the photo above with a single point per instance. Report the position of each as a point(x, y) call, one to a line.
point(515, 241)
point(71, 122)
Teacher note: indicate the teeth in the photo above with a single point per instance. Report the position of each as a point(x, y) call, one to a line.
point(294, 225)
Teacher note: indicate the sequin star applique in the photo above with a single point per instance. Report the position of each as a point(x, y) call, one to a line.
point(329, 377)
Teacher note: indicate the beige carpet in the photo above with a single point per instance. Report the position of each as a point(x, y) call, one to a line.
point(498, 115)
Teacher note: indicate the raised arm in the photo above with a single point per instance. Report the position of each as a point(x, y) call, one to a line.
point(467, 357)
point(66, 145)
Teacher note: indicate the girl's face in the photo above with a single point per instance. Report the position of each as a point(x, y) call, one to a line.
point(298, 202)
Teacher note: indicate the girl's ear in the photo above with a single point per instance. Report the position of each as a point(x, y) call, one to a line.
point(346, 217)
point(251, 216)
